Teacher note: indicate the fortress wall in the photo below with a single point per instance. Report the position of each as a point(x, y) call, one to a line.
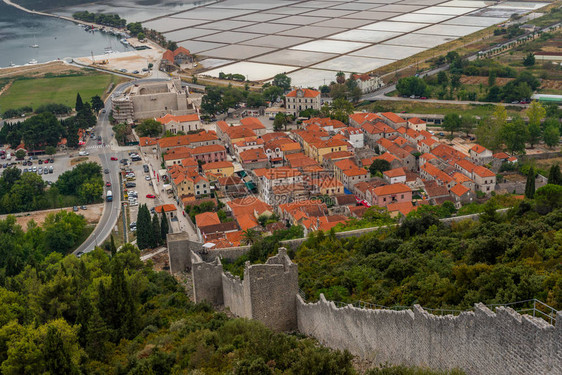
point(479, 342)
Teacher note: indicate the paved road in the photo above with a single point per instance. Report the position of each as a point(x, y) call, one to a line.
point(112, 209)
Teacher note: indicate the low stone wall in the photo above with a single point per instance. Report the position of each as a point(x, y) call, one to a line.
point(207, 280)
point(479, 342)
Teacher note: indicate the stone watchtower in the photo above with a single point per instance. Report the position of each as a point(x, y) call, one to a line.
point(267, 293)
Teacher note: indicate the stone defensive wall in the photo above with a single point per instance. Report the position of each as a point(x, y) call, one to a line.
point(479, 341)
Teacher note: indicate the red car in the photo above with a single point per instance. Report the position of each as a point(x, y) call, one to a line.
point(113, 158)
point(108, 184)
point(150, 196)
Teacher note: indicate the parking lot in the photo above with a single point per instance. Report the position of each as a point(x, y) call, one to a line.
point(143, 188)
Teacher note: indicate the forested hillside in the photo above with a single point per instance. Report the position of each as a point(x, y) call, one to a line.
point(500, 259)
point(102, 315)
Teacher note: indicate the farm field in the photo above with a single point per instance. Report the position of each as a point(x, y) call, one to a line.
point(60, 90)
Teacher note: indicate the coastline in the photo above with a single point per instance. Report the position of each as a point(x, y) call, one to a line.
point(10, 3)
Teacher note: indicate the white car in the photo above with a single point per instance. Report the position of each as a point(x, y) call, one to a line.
point(147, 178)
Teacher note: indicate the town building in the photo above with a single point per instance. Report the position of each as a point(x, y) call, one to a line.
point(300, 100)
point(152, 99)
point(367, 83)
point(175, 124)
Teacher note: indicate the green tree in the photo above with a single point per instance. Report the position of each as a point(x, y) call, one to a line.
point(412, 86)
point(536, 113)
point(379, 166)
point(451, 123)
point(121, 131)
point(210, 103)
point(149, 128)
point(112, 247)
point(554, 175)
point(97, 336)
point(79, 104)
point(282, 80)
point(50, 150)
point(272, 93)
point(340, 109)
point(467, 124)
point(340, 77)
point(551, 135)
point(156, 236)
point(144, 228)
point(250, 237)
point(489, 129)
point(57, 358)
point(515, 134)
point(529, 60)
point(164, 228)
point(530, 184)
point(97, 103)
point(279, 122)
point(20, 154)
point(443, 78)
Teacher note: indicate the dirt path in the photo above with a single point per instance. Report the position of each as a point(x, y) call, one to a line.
point(92, 215)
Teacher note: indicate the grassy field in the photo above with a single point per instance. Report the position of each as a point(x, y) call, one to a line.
point(60, 90)
point(434, 108)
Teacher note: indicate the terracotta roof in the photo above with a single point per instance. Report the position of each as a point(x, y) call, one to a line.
point(207, 149)
point(427, 156)
point(338, 155)
point(459, 190)
point(185, 140)
point(327, 182)
point(386, 156)
point(433, 189)
point(355, 172)
point(236, 132)
point(168, 55)
point(186, 118)
point(436, 173)
point(460, 178)
point(345, 164)
point(396, 172)
point(235, 238)
point(478, 149)
point(324, 122)
point(248, 205)
point(165, 207)
point(217, 165)
point(230, 180)
point(253, 155)
point(358, 211)
point(416, 121)
point(207, 218)
point(308, 93)
point(501, 155)
point(272, 136)
point(223, 126)
point(393, 117)
point(360, 118)
point(252, 123)
point(147, 141)
point(391, 189)
point(179, 50)
point(404, 208)
point(483, 171)
point(247, 221)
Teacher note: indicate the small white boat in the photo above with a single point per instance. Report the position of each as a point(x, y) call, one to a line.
point(12, 64)
point(32, 62)
point(34, 46)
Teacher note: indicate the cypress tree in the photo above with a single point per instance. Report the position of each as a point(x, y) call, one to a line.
point(97, 335)
point(554, 175)
point(82, 317)
point(79, 103)
point(156, 233)
point(57, 359)
point(144, 228)
point(530, 185)
point(112, 246)
point(164, 227)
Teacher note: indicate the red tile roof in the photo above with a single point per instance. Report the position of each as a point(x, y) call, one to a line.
point(207, 218)
point(165, 207)
point(393, 117)
point(416, 121)
point(404, 208)
point(478, 149)
point(186, 118)
point(391, 189)
point(459, 190)
point(396, 172)
point(179, 50)
point(308, 93)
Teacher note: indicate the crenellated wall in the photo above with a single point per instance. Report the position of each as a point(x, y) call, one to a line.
point(479, 342)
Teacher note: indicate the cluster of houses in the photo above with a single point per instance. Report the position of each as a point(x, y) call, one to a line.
point(317, 176)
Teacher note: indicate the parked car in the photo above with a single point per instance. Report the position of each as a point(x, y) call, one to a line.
point(84, 207)
point(75, 208)
point(147, 178)
point(130, 185)
point(108, 184)
point(51, 170)
point(106, 171)
point(151, 196)
point(113, 158)
point(40, 161)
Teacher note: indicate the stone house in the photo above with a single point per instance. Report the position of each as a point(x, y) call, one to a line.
point(384, 195)
point(185, 123)
point(480, 155)
point(299, 100)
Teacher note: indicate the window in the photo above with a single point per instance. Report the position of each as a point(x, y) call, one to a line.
point(402, 196)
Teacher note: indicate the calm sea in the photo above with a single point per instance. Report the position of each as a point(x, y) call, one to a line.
point(57, 39)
